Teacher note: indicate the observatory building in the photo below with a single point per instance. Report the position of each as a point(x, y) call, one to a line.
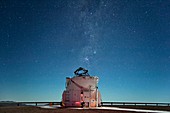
point(81, 90)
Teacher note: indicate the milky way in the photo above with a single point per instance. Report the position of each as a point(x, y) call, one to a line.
point(124, 42)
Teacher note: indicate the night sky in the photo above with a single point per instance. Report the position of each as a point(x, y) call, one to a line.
point(126, 43)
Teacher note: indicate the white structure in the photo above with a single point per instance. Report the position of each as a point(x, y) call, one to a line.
point(81, 90)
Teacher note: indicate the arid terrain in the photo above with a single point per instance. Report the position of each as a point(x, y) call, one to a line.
point(26, 109)
point(64, 110)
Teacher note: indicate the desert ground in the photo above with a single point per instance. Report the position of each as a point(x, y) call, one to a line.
point(63, 110)
point(28, 109)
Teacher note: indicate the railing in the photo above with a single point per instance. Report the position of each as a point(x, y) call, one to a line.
point(37, 103)
point(133, 104)
point(109, 104)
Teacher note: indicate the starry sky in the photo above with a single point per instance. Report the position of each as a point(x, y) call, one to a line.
point(126, 43)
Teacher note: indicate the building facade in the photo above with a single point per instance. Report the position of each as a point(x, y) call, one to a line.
point(81, 91)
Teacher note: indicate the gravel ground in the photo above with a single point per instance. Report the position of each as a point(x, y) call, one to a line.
point(28, 109)
point(64, 110)
point(162, 108)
